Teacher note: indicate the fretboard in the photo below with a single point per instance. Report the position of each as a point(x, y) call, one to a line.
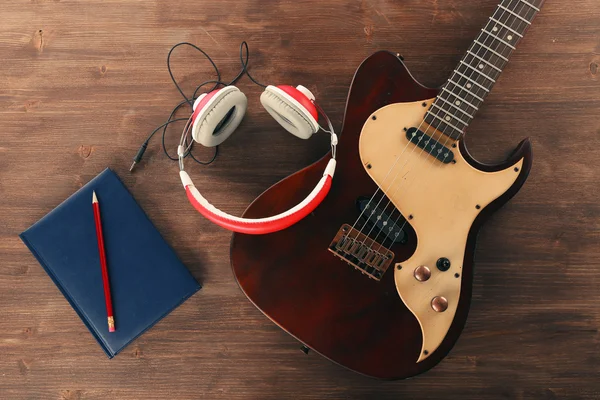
point(475, 75)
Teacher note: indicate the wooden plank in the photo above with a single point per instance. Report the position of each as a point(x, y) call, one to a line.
point(84, 83)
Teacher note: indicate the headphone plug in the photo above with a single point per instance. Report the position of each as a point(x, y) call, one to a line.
point(139, 155)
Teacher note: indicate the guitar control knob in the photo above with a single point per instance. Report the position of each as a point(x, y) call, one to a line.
point(443, 264)
point(422, 273)
point(439, 304)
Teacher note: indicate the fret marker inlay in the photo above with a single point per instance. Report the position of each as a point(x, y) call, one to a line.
point(455, 106)
point(469, 86)
point(475, 69)
point(507, 27)
point(500, 40)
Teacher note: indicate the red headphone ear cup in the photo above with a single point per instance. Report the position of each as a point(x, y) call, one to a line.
point(303, 96)
point(201, 102)
point(295, 112)
point(217, 114)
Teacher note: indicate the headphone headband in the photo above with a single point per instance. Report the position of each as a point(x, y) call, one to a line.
point(261, 225)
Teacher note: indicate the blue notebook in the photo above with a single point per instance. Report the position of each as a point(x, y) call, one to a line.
point(147, 280)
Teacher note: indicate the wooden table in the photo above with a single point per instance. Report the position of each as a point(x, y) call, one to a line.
point(83, 83)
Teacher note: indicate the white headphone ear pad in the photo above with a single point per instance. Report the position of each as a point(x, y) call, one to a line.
point(220, 117)
point(293, 118)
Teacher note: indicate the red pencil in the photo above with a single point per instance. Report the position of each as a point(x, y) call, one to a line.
point(107, 299)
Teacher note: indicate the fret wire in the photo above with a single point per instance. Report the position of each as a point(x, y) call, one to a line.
point(492, 51)
point(484, 60)
point(483, 42)
point(527, 17)
point(476, 70)
point(516, 20)
point(441, 126)
point(507, 27)
point(446, 122)
point(529, 11)
point(507, 8)
point(530, 5)
point(475, 82)
point(469, 92)
point(515, 14)
point(479, 63)
point(462, 99)
point(473, 78)
point(507, 24)
point(455, 106)
point(498, 39)
point(450, 114)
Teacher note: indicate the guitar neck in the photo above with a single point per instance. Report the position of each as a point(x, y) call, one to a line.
point(477, 72)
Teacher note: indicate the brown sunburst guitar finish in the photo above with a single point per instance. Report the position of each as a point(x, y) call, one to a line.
point(378, 328)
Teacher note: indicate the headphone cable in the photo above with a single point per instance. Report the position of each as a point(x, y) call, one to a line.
point(244, 60)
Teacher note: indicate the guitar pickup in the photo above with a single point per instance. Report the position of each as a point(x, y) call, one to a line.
point(430, 145)
point(385, 225)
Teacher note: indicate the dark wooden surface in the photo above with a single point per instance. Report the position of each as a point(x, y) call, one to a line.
point(81, 85)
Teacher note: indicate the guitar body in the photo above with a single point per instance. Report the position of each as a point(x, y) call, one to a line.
point(384, 328)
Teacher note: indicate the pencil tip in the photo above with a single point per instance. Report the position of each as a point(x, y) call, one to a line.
point(94, 198)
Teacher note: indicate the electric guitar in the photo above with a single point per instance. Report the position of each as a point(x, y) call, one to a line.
point(378, 278)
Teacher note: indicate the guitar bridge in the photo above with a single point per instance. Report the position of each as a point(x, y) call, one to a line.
point(361, 252)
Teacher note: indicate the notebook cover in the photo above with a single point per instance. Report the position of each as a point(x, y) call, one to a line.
point(147, 280)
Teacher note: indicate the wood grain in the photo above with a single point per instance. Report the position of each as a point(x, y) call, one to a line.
point(82, 84)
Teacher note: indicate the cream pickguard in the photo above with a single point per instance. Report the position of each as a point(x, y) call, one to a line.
point(442, 201)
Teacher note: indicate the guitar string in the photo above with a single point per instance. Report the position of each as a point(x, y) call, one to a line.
point(517, 41)
point(379, 189)
point(430, 150)
point(529, 17)
point(385, 178)
point(393, 166)
point(458, 97)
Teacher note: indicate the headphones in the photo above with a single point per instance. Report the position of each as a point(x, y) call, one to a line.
point(215, 116)
point(218, 113)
